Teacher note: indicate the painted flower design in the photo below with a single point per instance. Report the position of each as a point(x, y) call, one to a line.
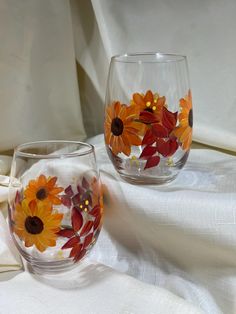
point(158, 140)
point(43, 190)
point(36, 224)
point(184, 130)
point(86, 217)
point(149, 102)
point(121, 129)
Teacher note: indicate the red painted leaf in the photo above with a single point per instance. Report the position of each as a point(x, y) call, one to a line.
point(148, 117)
point(88, 240)
point(148, 151)
point(17, 197)
point(167, 148)
point(66, 201)
point(87, 227)
point(169, 119)
point(71, 243)
point(80, 255)
point(67, 233)
point(97, 222)
point(69, 191)
point(95, 211)
point(76, 199)
point(85, 184)
point(77, 219)
point(149, 138)
point(75, 250)
point(159, 130)
point(152, 162)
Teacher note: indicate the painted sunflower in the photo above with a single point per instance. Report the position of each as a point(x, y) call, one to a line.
point(36, 224)
point(43, 190)
point(121, 131)
point(149, 102)
point(184, 130)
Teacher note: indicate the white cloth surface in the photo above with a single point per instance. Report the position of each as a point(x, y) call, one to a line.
point(9, 258)
point(201, 30)
point(38, 83)
point(180, 236)
point(91, 288)
point(100, 288)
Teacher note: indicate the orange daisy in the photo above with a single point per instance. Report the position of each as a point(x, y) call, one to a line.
point(184, 130)
point(36, 224)
point(149, 102)
point(43, 190)
point(120, 128)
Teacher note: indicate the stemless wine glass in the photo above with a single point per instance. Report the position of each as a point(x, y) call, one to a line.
point(55, 203)
point(148, 116)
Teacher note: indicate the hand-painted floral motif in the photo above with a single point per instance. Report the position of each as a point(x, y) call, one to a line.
point(36, 224)
point(85, 219)
point(121, 129)
point(184, 131)
point(43, 190)
point(157, 130)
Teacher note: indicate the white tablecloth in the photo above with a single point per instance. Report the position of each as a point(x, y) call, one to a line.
point(177, 240)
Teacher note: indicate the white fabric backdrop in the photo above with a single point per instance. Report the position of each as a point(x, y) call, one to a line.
point(38, 84)
point(202, 30)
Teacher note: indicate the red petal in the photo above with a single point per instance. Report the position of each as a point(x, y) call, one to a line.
point(148, 117)
point(80, 255)
point(66, 200)
point(76, 250)
point(80, 190)
point(17, 197)
point(87, 227)
point(159, 131)
point(76, 199)
point(67, 233)
point(88, 240)
point(167, 148)
point(77, 219)
point(173, 146)
point(69, 191)
point(152, 162)
point(97, 222)
point(148, 151)
point(169, 119)
point(149, 138)
point(95, 211)
point(71, 243)
point(85, 184)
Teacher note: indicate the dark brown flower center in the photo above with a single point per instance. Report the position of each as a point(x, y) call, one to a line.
point(41, 194)
point(117, 126)
point(190, 118)
point(33, 225)
point(149, 109)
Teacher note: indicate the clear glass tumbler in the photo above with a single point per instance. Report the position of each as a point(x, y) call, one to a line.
point(55, 203)
point(148, 116)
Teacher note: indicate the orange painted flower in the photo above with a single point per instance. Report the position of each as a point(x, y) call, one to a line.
point(149, 102)
point(36, 224)
point(121, 129)
point(43, 190)
point(184, 130)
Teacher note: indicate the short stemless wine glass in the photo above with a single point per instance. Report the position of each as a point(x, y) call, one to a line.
point(148, 116)
point(55, 203)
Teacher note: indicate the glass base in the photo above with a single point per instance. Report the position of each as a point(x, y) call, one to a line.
point(147, 180)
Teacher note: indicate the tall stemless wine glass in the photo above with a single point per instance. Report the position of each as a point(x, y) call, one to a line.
point(55, 203)
point(148, 116)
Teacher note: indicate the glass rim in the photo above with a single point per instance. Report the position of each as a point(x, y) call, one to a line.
point(133, 57)
point(19, 153)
